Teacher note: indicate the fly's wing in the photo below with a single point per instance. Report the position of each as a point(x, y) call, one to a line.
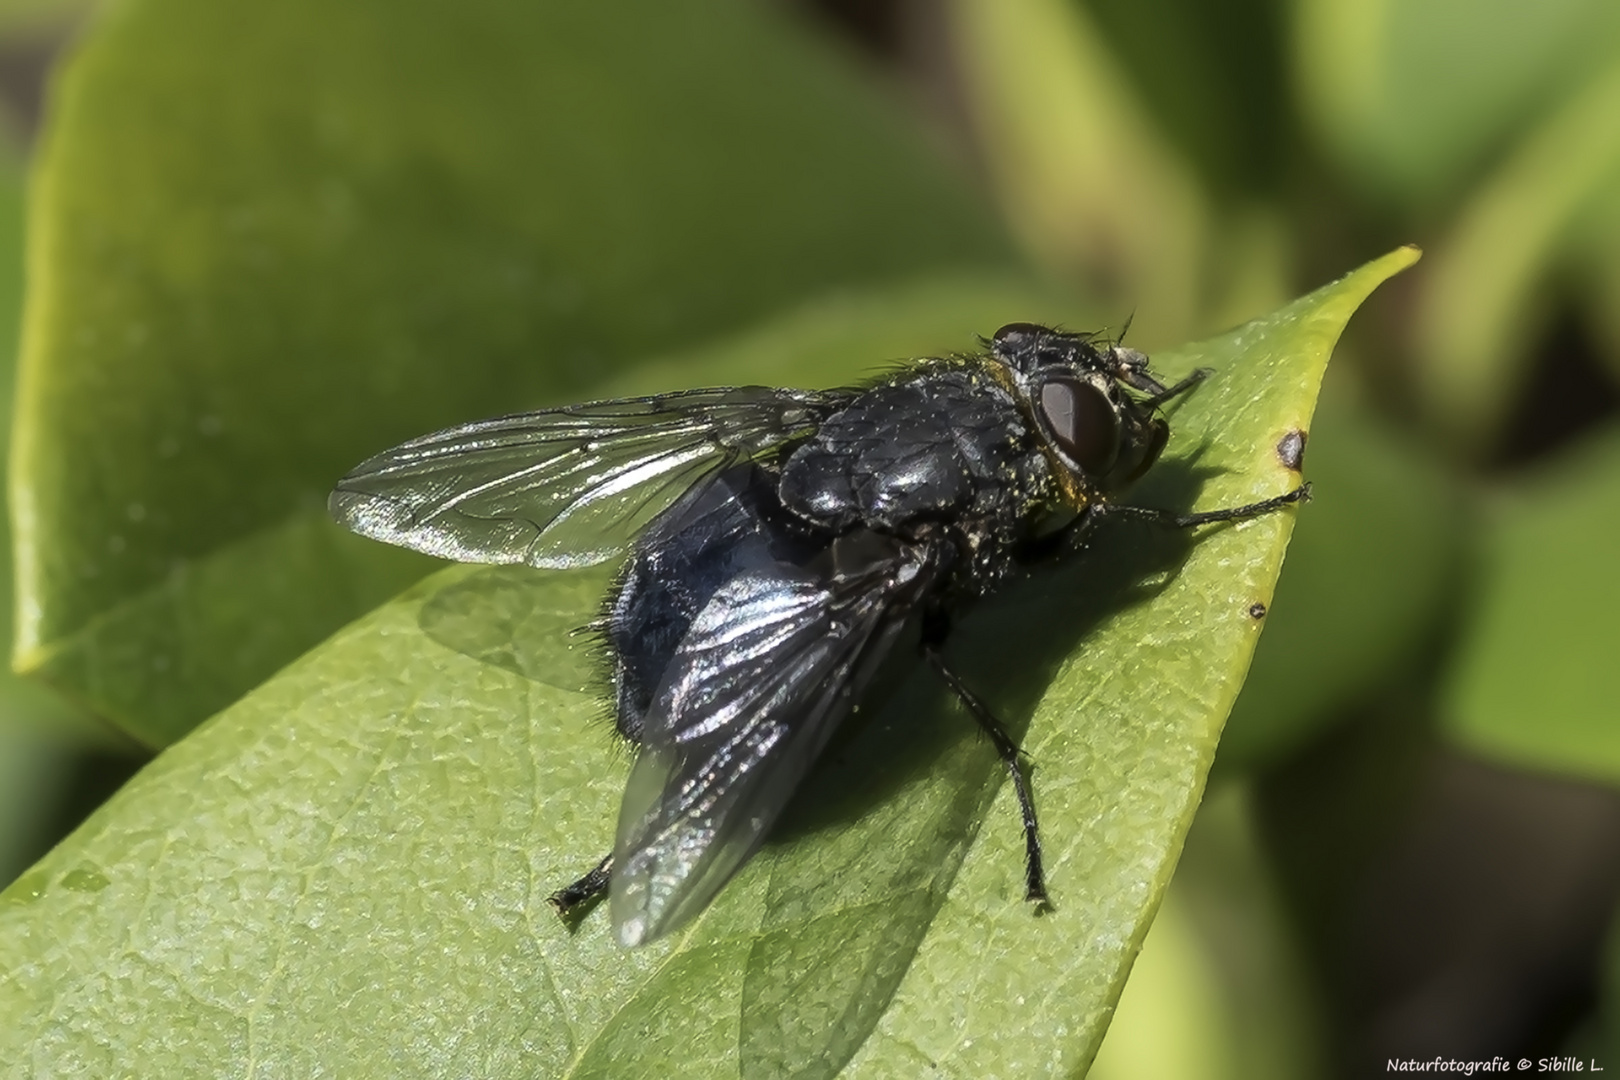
point(755, 690)
point(564, 487)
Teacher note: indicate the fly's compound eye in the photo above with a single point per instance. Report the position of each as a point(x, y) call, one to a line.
point(1083, 423)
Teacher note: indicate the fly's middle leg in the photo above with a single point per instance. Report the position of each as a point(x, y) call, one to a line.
point(1013, 758)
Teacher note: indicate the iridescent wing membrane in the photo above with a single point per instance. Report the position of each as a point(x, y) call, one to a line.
point(564, 487)
point(753, 693)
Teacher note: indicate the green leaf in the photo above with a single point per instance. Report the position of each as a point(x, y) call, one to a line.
point(1533, 681)
point(271, 239)
point(349, 866)
point(1372, 569)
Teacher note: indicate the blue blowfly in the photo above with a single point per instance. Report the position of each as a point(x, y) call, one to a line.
point(779, 542)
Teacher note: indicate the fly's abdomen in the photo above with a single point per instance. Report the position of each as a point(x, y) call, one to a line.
point(714, 532)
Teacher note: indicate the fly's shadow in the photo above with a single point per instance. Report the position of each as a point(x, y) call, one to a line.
point(533, 623)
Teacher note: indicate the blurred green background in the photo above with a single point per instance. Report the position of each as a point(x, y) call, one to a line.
point(1411, 846)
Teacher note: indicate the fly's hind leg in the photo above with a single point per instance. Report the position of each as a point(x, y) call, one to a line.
point(571, 899)
point(1012, 757)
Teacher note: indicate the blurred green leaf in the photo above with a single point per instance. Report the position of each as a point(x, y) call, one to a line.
point(24, 705)
point(853, 337)
point(1482, 298)
point(1329, 816)
point(372, 833)
point(1534, 680)
point(1414, 95)
point(271, 239)
point(1371, 571)
point(1214, 76)
point(32, 771)
point(27, 18)
point(1595, 271)
point(1081, 170)
point(38, 731)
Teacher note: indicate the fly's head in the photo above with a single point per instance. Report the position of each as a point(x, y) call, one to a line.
point(1086, 402)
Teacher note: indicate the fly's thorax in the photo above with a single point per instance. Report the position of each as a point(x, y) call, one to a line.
point(929, 445)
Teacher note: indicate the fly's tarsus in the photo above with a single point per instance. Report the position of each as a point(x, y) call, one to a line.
point(1012, 757)
point(573, 900)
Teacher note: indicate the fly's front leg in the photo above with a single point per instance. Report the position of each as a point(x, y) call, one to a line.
point(1007, 750)
point(1188, 521)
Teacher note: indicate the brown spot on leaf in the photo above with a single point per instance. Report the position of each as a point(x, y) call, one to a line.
point(1291, 450)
